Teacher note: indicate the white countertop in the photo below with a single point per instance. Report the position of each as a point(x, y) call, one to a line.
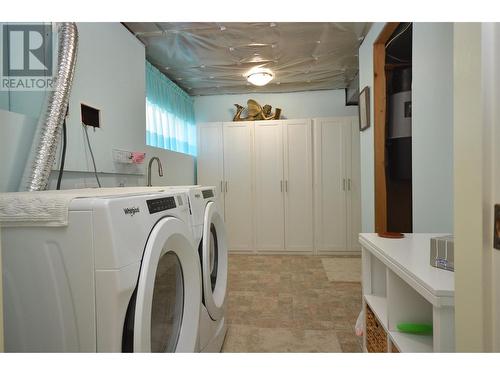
point(409, 257)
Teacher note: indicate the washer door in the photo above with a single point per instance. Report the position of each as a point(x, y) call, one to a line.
point(214, 262)
point(168, 299)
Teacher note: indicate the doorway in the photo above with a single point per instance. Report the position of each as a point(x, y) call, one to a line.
point(393, 107)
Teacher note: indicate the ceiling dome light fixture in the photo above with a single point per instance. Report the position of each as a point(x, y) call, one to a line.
point(259, 76)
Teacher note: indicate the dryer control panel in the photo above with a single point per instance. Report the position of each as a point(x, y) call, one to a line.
point(207, 193)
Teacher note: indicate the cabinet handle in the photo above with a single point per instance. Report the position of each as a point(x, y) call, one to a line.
point(343, 184)
point(349, 184)
point(281, 186)
point(226, 186)
point(221, 187)
point(286, 186)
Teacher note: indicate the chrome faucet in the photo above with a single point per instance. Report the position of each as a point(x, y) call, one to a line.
point(160, 168)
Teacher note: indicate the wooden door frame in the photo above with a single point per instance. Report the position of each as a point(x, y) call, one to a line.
point(380, 120)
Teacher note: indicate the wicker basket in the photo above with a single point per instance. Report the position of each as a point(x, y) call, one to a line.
point(394, 348)
point(376, 338)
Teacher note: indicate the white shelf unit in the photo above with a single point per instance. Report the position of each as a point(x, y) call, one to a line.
point(400, 286)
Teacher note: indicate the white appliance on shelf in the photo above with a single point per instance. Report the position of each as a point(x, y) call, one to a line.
point(210, 237)
point(123, 275)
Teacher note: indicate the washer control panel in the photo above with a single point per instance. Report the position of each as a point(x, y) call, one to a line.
point(161, 204)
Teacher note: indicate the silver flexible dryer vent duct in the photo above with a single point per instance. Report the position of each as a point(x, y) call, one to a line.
point(50, 123)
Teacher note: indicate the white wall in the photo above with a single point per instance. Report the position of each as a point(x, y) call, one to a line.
point(366, 136)
point(178, 168)
point(473, 132)
point(110, 75)
point(16, 135)
point(491, 257)
point(4, 98)
point(477, 185)
point(304, 104)
point(432, 127)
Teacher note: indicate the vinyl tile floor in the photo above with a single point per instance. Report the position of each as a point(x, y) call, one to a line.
point(287, 303)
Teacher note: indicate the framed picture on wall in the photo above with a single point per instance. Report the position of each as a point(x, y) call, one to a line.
point(364, 109)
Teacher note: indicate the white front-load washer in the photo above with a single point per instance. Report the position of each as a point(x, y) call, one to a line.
point(122, 276)
point(210, 236)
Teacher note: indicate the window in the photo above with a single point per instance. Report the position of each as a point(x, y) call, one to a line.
point(169, 114)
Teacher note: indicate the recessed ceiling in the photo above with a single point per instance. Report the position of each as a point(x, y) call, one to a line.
point(212, 58)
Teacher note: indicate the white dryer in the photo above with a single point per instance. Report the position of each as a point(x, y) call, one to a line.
point(122, 276)
point(210, 236)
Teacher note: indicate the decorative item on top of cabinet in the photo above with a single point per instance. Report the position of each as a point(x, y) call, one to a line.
point(256, 112)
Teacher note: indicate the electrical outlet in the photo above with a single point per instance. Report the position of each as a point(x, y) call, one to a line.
point(121, 156)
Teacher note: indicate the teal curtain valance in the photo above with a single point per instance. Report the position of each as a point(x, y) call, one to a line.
point(170, 120)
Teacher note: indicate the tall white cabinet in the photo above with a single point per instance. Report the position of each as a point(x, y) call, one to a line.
point(298, 173)
point(336, 184)
point(287, 185)
point(238, 185)
point(283, 185)
point(210, 161)
point(269, 186)
point(225, 160)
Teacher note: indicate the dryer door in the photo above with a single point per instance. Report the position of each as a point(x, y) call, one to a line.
point(168, 296)
point(214, 261)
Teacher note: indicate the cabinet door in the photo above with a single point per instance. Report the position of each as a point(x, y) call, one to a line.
point(238, 145)
point(298, 185)
point(269, 186)
point(210, 159)
point(330, 158)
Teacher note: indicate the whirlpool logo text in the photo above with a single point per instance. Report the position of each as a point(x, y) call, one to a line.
point(131, 210)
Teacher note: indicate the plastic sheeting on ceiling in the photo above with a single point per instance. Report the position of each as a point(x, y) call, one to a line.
point(212, 58)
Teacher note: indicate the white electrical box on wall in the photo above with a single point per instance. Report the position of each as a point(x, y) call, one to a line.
point(128, 157)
